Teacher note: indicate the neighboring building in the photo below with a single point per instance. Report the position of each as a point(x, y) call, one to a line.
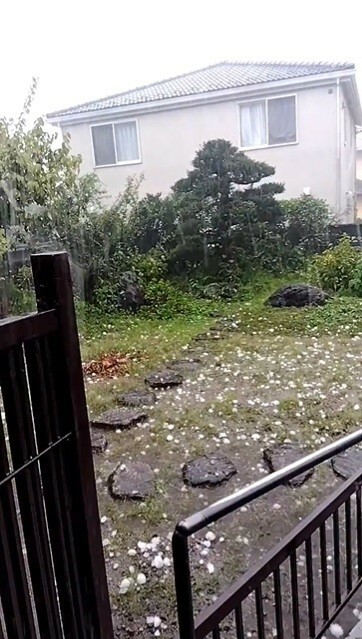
point(359, 175)
point(300, 118)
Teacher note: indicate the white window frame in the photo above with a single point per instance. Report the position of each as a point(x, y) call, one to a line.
point(268, 99)
point(113, 123)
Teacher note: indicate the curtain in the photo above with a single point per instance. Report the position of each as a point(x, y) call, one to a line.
point(103, 144)
point(126, 141)
point(282, 120)
point(253, 124)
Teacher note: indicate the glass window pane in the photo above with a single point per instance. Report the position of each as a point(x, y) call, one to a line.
point(281, 120)
point(253, 124)
point(103, 145)
point(126, 141)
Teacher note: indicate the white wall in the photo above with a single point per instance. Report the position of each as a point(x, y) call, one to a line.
point(169, 140)
point(348, 161)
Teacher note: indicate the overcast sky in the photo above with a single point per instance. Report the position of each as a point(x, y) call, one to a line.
point(82, 50)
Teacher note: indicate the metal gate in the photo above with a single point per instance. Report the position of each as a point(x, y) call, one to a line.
point(52, 574)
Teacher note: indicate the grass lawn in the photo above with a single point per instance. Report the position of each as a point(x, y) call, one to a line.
point(274, 376)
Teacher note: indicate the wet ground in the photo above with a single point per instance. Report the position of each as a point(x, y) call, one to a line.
point(251, 391)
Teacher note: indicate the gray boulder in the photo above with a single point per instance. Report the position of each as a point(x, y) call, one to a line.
point(297, 295)
point(131, 296)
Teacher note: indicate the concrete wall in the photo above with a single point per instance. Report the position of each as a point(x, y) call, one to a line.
point(169, 140)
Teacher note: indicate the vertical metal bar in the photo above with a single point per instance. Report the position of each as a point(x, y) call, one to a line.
point(348, 540)
point(185, 608)
point(29, 490)
point(55, 495)
point(259, 612)
point(324, 574)
point(14, 587)
point(2, 627)
point(359, 529)
point(336, 559)
point(278, 604)
point(14, 592)
point(53, 289)
point(310, 586)
point(239, 625)
point(295, 595)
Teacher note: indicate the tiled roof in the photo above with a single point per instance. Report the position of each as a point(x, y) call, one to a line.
point(224, 75)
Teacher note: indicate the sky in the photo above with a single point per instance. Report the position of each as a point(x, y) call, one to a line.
point(82, 51)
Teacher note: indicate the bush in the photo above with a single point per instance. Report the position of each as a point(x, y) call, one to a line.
point(165, 300)
point(356, 282)
point(335, 269)
point(307, 220)
point(149, 267)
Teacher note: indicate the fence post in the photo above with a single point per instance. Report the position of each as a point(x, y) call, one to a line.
point(53, 290)
point(181, 563)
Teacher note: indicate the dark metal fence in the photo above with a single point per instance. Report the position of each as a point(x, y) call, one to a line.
point(329, 542)
point(52, 575)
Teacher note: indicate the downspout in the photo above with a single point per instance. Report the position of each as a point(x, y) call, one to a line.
point(338, 134)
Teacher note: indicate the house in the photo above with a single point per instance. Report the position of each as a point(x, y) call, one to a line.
point(300, 118)
point(359, 175)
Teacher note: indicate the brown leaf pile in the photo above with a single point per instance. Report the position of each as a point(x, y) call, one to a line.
point(109, 365)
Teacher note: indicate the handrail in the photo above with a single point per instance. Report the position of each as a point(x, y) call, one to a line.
point(225, 506)
point(244, 496)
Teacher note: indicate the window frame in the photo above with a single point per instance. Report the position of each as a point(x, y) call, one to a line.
point(114, 123)
point(266, 100)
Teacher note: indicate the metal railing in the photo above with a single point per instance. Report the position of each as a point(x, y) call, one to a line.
point(322, 604)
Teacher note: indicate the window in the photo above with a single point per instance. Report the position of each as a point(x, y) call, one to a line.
point(116, 143)
point(268, 122)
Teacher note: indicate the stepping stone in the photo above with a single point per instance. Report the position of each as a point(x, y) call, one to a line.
point(132, 480)
point(208, 470)
point(99, 442)
point(227, 326)
point(283, 455)
point(136, 398)
point(115, 418)
point(348, 463)
point(205, 337)
point(164, 379)
point(180, 365)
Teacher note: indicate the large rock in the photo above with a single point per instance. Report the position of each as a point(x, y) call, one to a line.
point(131, 296)
point(284, 454)
point(164, 379)
point(137, 398)
point(116, 418)
point(208, 470)
point(348, 463)
point(132, 480)
point(98, 441)
point(297, 295)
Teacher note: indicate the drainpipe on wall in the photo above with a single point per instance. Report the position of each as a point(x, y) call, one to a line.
point(338, 190)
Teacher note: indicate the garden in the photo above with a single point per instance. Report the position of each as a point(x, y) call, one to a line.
point(183, 360)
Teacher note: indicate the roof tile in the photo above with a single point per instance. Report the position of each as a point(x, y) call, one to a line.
point(224, 75)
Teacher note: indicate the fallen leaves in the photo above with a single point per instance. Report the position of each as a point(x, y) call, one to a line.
point(110, 365)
